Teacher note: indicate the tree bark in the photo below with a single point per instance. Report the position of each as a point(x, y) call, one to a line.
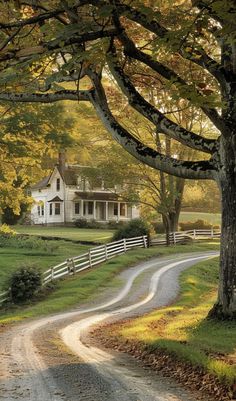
point(226, 304)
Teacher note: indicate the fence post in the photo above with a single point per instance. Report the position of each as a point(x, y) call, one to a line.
point(90, 258)
point(73, 266)
point(174, 238)
point(105, 249)
point(52, 273)
point(68, 265)
point(144, 242)
point(124, 241)
point(212, 232)
point(194, 234)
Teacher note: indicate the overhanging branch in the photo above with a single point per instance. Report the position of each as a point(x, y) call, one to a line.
point(185, 169)
point(163, 124)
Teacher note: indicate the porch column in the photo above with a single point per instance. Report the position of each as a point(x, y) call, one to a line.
point(94, 210)
point(118, 216)
point(106, 213)
point(82, 207)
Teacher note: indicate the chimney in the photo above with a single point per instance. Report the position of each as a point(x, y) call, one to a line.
point(62, 160)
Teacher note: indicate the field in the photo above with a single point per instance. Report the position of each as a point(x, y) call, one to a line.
point(72, 233)
point(212, 218)
point(53, 253)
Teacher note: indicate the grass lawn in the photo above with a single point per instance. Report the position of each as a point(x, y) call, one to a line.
point(212, 218)
point(12, 258)
point(182, 329)
point(76, 290)
point(72, 233)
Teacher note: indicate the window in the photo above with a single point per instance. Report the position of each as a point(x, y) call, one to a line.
point(115, 209)
point(84, 208)
point(90, 207)
point(58, 184)
point(57, 209)
point(77, 208)
point(50, 209)
point(40, 210)
point(122, 209)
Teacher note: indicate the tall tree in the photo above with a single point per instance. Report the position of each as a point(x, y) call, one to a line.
point(27, 134)
point(86, 40)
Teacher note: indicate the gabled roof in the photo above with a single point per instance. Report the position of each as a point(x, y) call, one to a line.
point(42, 183)
point(56, 199)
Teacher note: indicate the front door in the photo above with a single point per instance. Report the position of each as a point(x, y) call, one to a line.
point(101, 211)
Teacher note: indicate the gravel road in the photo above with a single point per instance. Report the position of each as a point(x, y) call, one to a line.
point(52, 358)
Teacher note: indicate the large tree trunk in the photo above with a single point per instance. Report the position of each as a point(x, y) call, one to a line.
point(226, 303)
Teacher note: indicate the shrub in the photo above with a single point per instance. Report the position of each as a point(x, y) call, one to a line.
point(158, 227)
point(81, 223)
point(25, 283)
point(22, 241)
point(196, 225)
point(6, 230)
point(133, 228)
point(114, 225)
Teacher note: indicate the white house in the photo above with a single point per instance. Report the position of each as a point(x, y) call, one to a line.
point(65, 196)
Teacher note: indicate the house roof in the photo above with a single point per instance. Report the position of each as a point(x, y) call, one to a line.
point(42, 183)
point(105, 196)
point(56, 199)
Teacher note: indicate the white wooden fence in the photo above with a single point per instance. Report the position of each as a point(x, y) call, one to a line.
point(183, 237)
point(87, 260)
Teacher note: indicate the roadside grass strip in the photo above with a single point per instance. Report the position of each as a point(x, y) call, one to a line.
point(182, 329)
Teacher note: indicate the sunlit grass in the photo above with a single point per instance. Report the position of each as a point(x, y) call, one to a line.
point(72, 233)
point(183, 330)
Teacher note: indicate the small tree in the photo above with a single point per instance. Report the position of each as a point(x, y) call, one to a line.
point(25, 283)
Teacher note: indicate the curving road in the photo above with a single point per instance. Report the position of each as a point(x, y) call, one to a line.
point(52, 359)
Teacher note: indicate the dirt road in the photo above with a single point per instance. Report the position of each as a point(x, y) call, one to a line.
point(52, 359)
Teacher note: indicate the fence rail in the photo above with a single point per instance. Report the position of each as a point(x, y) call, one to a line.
point(183, 237)
point(87, 260)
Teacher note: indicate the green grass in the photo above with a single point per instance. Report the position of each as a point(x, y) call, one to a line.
point(74, 291)
point(72, 233)
point(12, 258)
point(183, 330)
point(212, 218)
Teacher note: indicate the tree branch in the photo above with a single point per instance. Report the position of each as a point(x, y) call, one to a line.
point(45, 97)
point(163, 124)
point(185, 169)
point(132, 51)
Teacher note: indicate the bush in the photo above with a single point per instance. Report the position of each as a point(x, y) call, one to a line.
point(25, 283)
point(81, 223)
point(7, 231)
point(24, 242)
point(159, 227)
point(134, 228)
point(196, 225)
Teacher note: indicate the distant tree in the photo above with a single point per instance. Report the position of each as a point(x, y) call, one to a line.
point(27, 134)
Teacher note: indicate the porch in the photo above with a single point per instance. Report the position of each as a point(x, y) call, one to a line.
point(102, 211)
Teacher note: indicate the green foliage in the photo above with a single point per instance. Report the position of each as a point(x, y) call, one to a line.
point(159, 227)
point(25, 283)
point(133, 228)
point(24, 242)
point(6, 231)
point(196, 225)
